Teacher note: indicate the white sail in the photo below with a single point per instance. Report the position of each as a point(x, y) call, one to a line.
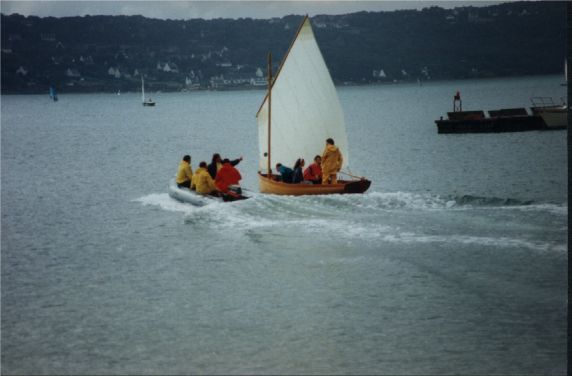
point(142, 90)
point(305, 107)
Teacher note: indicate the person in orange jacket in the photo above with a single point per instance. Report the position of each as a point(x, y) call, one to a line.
point(226, 176)
point(331, 162)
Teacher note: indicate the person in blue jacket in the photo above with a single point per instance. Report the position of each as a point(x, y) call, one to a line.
point(286, 172)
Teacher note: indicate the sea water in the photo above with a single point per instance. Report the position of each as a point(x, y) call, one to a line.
point(455, 260)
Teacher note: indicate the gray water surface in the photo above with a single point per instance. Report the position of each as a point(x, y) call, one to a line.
point(454, 262)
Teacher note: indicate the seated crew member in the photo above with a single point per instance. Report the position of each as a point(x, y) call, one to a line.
point(313, 172)
point(285, 172)
point(184, 173)
point(226, 176)
point(298, 175)
point(203, 182)
point(216, 164)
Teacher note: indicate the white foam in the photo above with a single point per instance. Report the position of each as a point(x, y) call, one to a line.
point(335, 216)
point(373, 201)
point(547, 208)
point(407, 200)
point(500, 242)
point(165, 202)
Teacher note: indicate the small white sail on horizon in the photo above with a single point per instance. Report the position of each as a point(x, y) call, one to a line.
point(148, 102)
point(305, 107)
point(142, 90)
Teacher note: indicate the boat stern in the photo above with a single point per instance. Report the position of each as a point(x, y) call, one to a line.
point(358, 186)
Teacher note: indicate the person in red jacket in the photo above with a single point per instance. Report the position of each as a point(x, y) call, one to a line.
point(314, 172)
point(227, 175)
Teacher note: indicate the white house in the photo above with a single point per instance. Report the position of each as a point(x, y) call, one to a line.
point(171, 67)
point(379, 73)
point(114, 72)
point(72, 73)
point(86, 60)
point(259, 81)
point(21, 71)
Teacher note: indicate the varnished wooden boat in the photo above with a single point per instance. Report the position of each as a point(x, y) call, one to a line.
point(274, 186)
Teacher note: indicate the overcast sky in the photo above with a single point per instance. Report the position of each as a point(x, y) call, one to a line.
point(214, 9)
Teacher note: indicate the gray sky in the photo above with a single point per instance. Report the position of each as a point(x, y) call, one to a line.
point(214, 9)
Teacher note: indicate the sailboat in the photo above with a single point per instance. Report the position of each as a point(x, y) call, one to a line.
point(565, 83)
point(300, 111)
point(148, 102)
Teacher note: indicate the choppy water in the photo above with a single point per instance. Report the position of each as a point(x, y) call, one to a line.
point(455, 261)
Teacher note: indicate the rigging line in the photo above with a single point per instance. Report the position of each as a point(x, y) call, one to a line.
point(353, 176)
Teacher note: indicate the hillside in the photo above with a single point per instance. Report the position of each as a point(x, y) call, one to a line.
point(109, 53)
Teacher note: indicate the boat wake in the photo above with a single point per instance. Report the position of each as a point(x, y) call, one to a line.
point(165, 202)
point(390, 217)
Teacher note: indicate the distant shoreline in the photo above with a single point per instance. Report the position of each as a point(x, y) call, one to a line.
point(111, 53)
point(262, 88)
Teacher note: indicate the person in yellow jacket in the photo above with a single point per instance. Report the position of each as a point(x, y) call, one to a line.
point(332, 160)
point(203, 182)
point(185, 173)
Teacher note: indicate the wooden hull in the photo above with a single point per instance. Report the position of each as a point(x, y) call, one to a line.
point(149, 104)
point(343, 187)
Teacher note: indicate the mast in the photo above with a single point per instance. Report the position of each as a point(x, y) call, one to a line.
point(269, 111)
point(142, 89)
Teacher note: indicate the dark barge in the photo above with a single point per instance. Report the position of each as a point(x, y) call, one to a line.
point(503, 120)
point(544, 115)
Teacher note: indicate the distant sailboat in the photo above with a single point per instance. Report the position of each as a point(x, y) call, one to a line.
point(300, 111)
point(53, 94)
point(148, 102)
point(565, 83)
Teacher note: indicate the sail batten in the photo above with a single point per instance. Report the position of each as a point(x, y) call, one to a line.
point(305, 106)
